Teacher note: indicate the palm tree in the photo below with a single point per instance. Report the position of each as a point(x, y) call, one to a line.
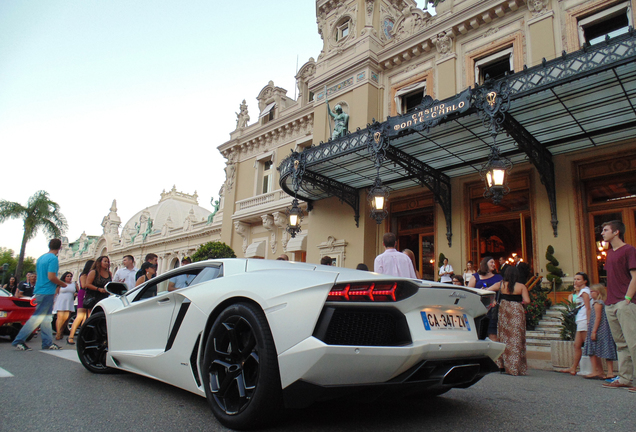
point(40, 212)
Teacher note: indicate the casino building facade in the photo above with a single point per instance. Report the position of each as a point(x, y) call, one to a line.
point(543, 88)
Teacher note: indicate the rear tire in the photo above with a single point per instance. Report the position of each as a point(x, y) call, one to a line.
point(240, 369)
point(92, 344)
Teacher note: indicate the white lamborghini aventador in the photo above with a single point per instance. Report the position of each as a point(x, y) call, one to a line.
point(254, 336)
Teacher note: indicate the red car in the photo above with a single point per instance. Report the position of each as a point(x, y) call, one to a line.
point(14, 312)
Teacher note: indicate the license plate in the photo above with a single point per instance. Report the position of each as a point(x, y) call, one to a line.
point(3, 314)
point(438, 320)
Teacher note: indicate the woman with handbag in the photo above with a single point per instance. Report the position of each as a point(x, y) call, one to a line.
point(82, 312)
point(581, 297)
point(96, 281)
point(511, 328)
point(484, 278)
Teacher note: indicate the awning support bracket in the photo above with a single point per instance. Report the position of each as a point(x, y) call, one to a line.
point(344, 193)
point(541, 158)
point(436, 181)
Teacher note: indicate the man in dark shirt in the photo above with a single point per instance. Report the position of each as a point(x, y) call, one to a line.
point(25, 288)
point(619, 307)
point(152, 259)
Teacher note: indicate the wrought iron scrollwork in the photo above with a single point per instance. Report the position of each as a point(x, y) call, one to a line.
point(492, 101)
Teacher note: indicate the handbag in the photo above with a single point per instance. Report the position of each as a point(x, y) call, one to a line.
point(90, 299)
point(573, 313)
point(493, 312)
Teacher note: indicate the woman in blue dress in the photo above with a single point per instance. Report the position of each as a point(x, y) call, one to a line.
point(484, 278)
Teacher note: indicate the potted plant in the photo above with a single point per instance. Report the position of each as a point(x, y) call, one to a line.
point(562, 351)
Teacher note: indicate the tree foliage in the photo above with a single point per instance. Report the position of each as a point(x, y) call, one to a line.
point(39, 213)
point(213, 250)
point(7, 257)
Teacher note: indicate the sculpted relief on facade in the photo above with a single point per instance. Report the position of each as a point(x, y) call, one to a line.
point(444, 43)
point(537, 7)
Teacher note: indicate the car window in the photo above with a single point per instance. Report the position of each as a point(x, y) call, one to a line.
point(161, 284)
point(182, 280)
point(208, 274)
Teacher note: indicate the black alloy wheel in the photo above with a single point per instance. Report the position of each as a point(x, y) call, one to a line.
point(92, 344)
point(240, 369)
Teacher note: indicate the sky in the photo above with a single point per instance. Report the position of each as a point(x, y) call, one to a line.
point(120, 99)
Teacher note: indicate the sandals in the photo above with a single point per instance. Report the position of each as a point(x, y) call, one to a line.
point(70, 341)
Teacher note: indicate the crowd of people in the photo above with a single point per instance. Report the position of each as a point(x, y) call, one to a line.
point(58, 296)
point(605, 317)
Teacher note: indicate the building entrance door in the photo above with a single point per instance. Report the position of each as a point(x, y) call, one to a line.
point(597, 219)
point(503, 238)
point(607, 192)
point(504, 229)
point(412, 220)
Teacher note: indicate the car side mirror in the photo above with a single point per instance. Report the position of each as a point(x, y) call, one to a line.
point(116, 288)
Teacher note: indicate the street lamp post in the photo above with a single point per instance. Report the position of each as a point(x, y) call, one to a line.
point(5, 267)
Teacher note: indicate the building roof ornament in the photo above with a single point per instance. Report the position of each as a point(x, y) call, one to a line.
point(180, 196)
point(242, 117)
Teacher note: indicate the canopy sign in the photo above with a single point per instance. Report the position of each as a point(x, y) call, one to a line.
point(429, 113)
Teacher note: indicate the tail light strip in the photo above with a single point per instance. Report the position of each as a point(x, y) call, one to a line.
point(384, 292)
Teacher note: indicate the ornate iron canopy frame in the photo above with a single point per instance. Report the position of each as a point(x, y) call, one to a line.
point(380, 151)
point(547, 76)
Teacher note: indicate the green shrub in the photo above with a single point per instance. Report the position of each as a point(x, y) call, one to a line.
point(539, 303)
point(440, 262)
point(213, 250)
point(555, 272)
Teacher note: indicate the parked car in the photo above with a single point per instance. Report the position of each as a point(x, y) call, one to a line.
point(254, 336)
point(14, 312)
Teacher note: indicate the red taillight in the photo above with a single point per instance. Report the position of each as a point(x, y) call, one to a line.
point(33, 302)
point(375, 292)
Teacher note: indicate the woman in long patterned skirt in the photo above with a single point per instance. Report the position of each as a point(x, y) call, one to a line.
point(511, 328)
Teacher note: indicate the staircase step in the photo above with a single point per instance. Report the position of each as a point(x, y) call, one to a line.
point(549, 324)
point(538, 348)
point(544, 337)
point(553, 314)
point(537, 342)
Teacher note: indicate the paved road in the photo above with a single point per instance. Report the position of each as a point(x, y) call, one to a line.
point(51, 391)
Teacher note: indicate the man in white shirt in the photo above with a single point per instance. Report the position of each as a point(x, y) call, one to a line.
point(127, 274)
point(391, 262)
point(446, 272)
